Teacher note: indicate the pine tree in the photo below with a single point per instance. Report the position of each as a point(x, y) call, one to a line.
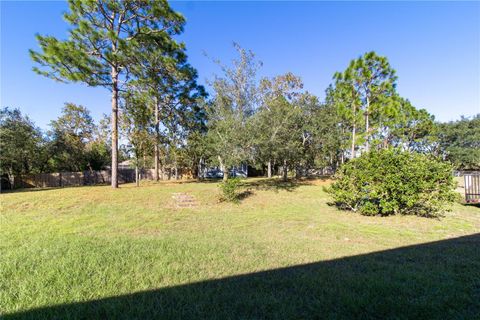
point(164, 74)
point(372, 78)
point(105, 37)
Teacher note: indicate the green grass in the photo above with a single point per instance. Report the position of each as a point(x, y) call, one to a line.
point(94, 252)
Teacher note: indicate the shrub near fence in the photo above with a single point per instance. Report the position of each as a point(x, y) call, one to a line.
point(71, 179)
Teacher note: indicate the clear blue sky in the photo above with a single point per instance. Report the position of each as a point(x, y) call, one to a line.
point(434, 46)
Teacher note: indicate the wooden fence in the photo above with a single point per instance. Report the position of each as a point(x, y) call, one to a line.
point(85, 178)
point(472, 187)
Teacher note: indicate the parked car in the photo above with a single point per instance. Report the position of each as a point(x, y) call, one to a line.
point(214, 174)
point(237, 173)
point(218, 174)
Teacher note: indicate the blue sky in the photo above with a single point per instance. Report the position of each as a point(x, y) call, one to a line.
point(434, 46)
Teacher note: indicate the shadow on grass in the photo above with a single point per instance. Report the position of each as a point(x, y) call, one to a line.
point(23, 190)
point(143, 183)
point(256, 183)
point(35, 189)
point(275, 184)
point(98, 185)
point(438, 280)
point(475, 205)
point(244, 194)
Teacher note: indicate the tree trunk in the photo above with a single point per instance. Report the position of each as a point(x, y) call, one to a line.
point(157, 139)
point(367, 127)
point(176, 171)
point(285, 170)
point(224, 169)
point(198, 172)
point(342, 156)
point(11, 180)
point(195, 172)
point(114, 74)
point(298, 172)
point(137, 180)
point(269, 169)
point(157, 166)
point(353, 140)
point(354, 129)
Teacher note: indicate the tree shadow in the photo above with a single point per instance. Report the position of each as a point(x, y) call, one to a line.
point(120, 185)
point(244, 194)
point(438, 280)
point(36, 189)
point(23, 190)
point(275, 184)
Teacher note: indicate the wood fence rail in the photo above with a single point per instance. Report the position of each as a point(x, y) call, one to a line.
point(85, 178)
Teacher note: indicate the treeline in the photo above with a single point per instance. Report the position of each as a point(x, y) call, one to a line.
point(265, 122)
point(165, 118)
point(273, 122)
point(74, 142)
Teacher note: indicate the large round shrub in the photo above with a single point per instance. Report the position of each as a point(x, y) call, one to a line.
point(391, 181)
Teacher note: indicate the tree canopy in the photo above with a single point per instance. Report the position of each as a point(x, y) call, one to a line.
point(460, 142)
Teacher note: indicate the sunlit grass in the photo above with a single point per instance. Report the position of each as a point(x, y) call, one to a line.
point(78, 244)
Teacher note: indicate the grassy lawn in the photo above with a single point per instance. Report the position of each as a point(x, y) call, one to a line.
point(94, 252)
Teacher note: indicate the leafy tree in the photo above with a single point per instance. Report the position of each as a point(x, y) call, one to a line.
point(76, 142)
point(327, 132)
point(98, 149)
point(291, 134)
point(70, 135)
point(460, 142)
point(196, 151)
point(276, 114)
point(402, 125)
point(97, 154)
point(21, 144)
point(175, 136)
point(196, 148)
point(369, 79)
point(105, 37)
point(102, 130)
point(185, 115)
point(234, 102)
point(135, 124)
point(75, 121)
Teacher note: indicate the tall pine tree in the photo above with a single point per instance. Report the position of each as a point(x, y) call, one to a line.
point(104, 38)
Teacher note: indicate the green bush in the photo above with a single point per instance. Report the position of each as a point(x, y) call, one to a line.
point(392, 181)
point(229, 189)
